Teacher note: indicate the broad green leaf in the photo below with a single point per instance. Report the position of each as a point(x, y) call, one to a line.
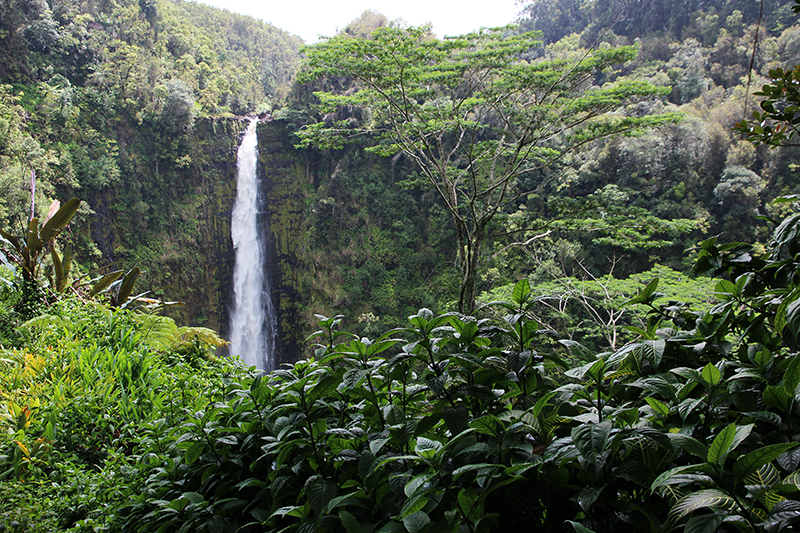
point(104, 282)
point(11, 239)
point(466, 500)
point(456, 418)
point(666, 478)
point(591, 439)
point(193, 497)
point(784, 512)
point(230, 440)
point(792, 320)
point(475, 466)
point(193, 452)
point(521, 293)
point(350, 522)
point(721, 446)
point(251, 482)
point(391, 527)
point(126, 287)
point(791, 378)
point(354, 377)
point(588, 496)
point(658, 406)
point(790, 460)
point(711, 374)
point(792, 482)
point(769, 498)
point(579, 528)
point(416, 522)
point(742, 432)
point(751, 462)
point(325, 386)
point(60, 219)
point(626, 417)
point(709, 498)
point(775, 396)
point(414, 485)
point(375, 445)
point(541, 403)
point(339, 501)
point(427, 448)
point(688, 405)
point(289, 510)
point(763, 360)
point(412, 505)
point(765, 476)
point(690, 445)
point(646, 294)
point(707, 523)
point(319, 492)
point(725, 288)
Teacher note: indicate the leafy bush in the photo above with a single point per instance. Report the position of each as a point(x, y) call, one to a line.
point(462, 424)
point(74, 400)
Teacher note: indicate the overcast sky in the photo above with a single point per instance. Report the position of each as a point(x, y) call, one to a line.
point(311, 18)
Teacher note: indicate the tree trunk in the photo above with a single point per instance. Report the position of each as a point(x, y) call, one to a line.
point(469, 255)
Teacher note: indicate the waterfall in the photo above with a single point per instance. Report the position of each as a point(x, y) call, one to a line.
point(253, 321)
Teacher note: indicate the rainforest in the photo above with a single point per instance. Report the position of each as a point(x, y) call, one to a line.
point(541, 277)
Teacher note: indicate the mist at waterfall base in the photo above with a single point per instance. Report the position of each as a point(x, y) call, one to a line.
point(253, 321)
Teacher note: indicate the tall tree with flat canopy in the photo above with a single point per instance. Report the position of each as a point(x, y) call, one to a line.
point(473, 112)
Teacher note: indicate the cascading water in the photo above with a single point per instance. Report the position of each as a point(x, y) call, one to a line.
point(253, 321)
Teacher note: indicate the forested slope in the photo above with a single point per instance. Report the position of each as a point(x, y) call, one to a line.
point(102, 100)
point(620, 204)
point(108, 101)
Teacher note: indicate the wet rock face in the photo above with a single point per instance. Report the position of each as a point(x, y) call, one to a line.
point(182, 239)
point(206, 285)
point(284, 191)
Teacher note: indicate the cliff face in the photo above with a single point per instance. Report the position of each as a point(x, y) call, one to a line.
point(215, 185)
point(285, 188)
point(347, 237)
point(173, 220)
point(343, 236)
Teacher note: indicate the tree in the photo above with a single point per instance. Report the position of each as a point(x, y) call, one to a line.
point(779, 122)
point(477, 119)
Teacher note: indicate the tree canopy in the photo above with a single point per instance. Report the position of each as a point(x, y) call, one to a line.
point(477, 116)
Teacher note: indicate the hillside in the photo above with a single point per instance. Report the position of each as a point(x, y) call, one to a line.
point(123, 104)
point(131, 107)
point(622, 204)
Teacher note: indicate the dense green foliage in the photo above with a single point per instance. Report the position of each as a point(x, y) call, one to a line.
point(481, 123)
point(99, 97)
point(631, 201)
point(699, 19)
point(451, 423)
point(110, 101)
point(569, 402)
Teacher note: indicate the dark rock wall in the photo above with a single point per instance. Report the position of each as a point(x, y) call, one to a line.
point(285, 186)
point(188, 255)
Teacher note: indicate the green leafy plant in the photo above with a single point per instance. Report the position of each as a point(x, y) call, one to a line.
point(36, 240)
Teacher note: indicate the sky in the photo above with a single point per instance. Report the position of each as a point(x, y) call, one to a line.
point(311, 18)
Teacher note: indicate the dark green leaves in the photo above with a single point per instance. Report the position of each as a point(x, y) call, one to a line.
point(709, 498)
point(751, 462)
point(319, 492)
point(592, 439)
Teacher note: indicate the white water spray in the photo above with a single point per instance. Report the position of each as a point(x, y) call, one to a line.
point(253, 322)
